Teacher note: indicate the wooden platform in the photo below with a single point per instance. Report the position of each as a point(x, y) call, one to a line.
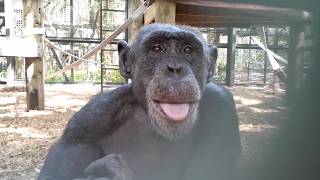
point(209, 13)
point(20, 47)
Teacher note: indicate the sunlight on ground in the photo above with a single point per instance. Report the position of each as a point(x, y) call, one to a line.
point(64, 101)
point(256, 128)
point(246, 101)
point(25, 132)
point(5, 101)
point(23, 113)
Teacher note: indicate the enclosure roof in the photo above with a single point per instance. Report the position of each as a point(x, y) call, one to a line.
point(214, 13)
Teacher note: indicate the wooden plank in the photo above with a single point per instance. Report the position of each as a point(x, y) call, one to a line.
point(260, 45)
point(285, 14)
point(165, 11)
point(228, 20)
point(150, 14)
point(274, 64)
point(137, 23)
point(231, 24)
point(58, 61)
point(208, 18)
point(28, 47)
point(231, 53)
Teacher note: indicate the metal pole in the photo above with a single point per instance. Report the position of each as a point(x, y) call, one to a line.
point(232, 32)
point(71, 35)
point(101, 52)
point(249, 61)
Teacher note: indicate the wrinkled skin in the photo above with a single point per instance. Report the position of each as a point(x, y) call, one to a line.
point(167, 124)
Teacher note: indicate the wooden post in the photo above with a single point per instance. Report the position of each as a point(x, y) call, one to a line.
point(137, 24)
point(249, 61)
point(165, 12)
point(296, 59)
point(231, 56)
point(161, 11)
point(11, 70)
point(35, 87)
point(263, 38)
point(265, 67)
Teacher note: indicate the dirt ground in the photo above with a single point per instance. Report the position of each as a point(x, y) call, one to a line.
point(26, 136)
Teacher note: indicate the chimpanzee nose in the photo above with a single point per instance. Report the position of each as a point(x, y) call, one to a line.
point(175, 70)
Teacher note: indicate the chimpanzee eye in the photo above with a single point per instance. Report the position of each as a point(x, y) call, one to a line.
point(157, 49)
point(187, 50)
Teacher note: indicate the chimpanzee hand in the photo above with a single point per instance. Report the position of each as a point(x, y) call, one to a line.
point(110, 167)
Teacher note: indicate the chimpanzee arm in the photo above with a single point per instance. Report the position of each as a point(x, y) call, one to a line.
point(219, 140)
point(77, 147)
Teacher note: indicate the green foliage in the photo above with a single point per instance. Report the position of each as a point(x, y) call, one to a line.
point(3, 73)
point(221, 73)
point(114, 77)
point(53, 78)
point(81, 76)
point(222, 67)
point(96, 76)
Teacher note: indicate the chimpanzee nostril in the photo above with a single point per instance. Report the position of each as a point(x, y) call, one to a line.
point(178, 70)
point(170, 69)
point(174, 68)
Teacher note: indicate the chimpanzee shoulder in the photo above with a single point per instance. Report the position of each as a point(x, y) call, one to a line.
point(217, 109)
point(101, 116)
point(219, 93)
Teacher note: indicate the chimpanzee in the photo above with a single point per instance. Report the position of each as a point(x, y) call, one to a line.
point(167, 124)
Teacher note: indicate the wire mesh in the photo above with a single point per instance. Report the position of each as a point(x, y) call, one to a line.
point(71, 21)
point(251, 65)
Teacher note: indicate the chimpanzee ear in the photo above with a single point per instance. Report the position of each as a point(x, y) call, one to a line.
point(213, 55)
point(124, 62)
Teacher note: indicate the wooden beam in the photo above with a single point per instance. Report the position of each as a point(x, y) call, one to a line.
point(266, 11)
point(150, 14)
point(35, 65)
point(270, 55)
point(28, 47)
point(203, 20)
point(208, 18)
point(165, 11)
point(231, 53)
point(58, 61)
point(231, 24)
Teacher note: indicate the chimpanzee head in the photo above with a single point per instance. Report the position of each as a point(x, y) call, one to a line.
point(168, 66)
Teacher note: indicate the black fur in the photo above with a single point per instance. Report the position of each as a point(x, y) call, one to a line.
point(124, 121)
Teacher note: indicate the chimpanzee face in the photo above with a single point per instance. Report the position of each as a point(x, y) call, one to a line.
point(168, 66)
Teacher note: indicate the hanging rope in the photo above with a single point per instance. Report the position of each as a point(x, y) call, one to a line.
point(141, 10)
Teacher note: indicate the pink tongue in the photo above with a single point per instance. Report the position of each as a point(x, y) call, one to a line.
point(176, 112)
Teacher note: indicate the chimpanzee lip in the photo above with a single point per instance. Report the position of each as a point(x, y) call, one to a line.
point(159, 110)
point(189, 101)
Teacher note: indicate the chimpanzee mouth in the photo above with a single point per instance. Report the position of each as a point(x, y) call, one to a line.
point(176, 112)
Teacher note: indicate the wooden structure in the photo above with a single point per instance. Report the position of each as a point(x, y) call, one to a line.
point(28, 44)
point(210, 13)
